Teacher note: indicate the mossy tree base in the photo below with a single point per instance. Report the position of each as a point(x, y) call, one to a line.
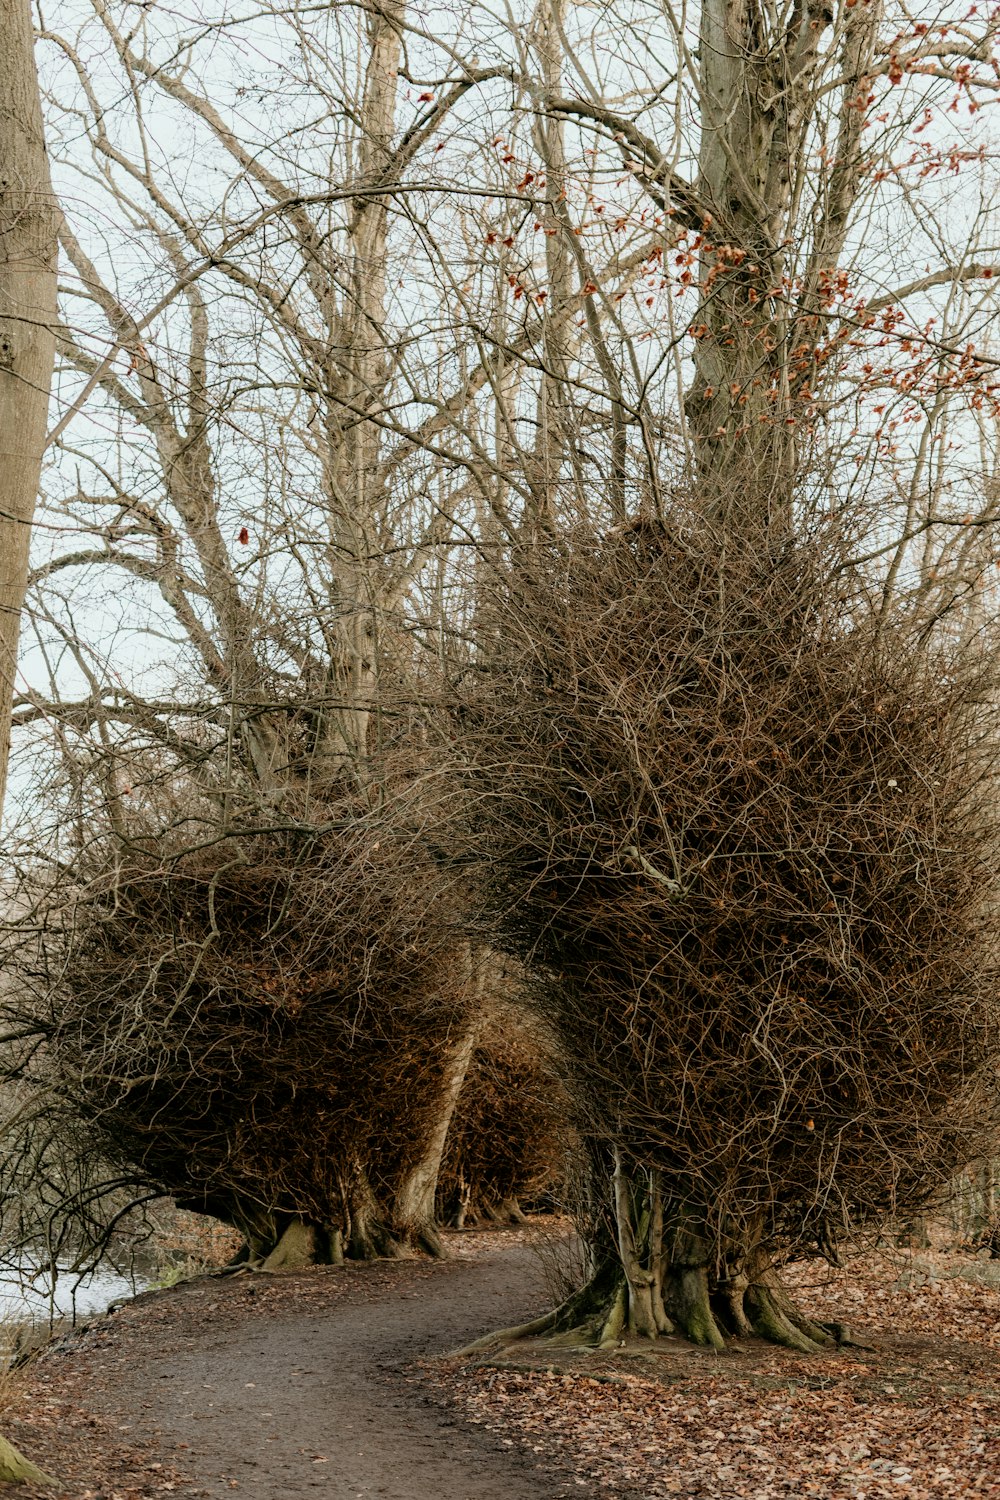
point(602, 1315)
point(280, 1240)
point(301, 1245)
point(659, 1270)
point(16, 1469)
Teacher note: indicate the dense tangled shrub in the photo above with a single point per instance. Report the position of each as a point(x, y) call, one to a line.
point(745, 829)
point(509, 1140)
point(258, 1027)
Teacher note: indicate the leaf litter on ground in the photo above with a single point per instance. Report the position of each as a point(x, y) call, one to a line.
point(916, 1416)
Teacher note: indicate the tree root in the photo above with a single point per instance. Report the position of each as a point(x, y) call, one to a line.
point(598, 1315)
point(774, 1316)
point(844, 1338)
point(503, 1336)
point(769, 1319)
point(370, 1240)
point(301, 1244)
point(591, 1301)
point(616, 1322)
point(410, 1239)
point(16, 1469)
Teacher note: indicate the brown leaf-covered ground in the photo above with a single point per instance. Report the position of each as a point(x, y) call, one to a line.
point(915, 1416)
point(338, 1383)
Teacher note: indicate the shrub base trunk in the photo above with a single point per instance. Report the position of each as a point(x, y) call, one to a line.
point(658, 1276)
point(16, 1469)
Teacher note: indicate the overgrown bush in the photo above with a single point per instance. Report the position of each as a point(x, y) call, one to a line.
point(509, 1140)
point(744, 827)
point(258, 1027)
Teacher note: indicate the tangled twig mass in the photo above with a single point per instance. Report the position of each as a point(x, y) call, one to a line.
point(745, 831)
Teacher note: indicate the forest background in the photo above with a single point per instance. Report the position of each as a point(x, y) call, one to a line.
point(507, 665)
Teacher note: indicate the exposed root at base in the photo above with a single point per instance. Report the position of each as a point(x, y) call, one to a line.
point(591, 1300)
point(601, 1314)
point(16, 1469)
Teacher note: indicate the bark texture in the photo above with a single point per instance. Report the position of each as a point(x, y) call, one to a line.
point(760, 89)
point(415, 1216)
point(28, 235)
point(16, 1469)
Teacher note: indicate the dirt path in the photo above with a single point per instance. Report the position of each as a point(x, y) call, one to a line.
point(275, 1387)
point(293, 1386)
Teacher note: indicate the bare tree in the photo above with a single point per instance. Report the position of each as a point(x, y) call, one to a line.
point(283, 651)
point(461, 294)
point(801, 332)
point(749, 847)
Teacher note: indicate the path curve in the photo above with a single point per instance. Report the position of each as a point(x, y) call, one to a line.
point(307, 1385)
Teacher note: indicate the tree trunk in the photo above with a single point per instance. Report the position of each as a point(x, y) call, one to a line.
point(661, 1271)
point(354, 380)
point(678, 1278)
point(16, 1469)
point(759, 88)
point(367, 1235)
point(273, 1239)
point(28, 232)
point(301, 1244)
point(28, 235)
point(414, 1216)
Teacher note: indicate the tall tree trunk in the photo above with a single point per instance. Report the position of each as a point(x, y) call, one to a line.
point(28, 236)
point(758, 91)
point(414, 1214)
point(544, 461)
point(355, 380)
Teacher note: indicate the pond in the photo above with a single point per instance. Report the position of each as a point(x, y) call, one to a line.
point(32, 1299)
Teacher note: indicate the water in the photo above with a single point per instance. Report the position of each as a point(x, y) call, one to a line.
point(31, 1296)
